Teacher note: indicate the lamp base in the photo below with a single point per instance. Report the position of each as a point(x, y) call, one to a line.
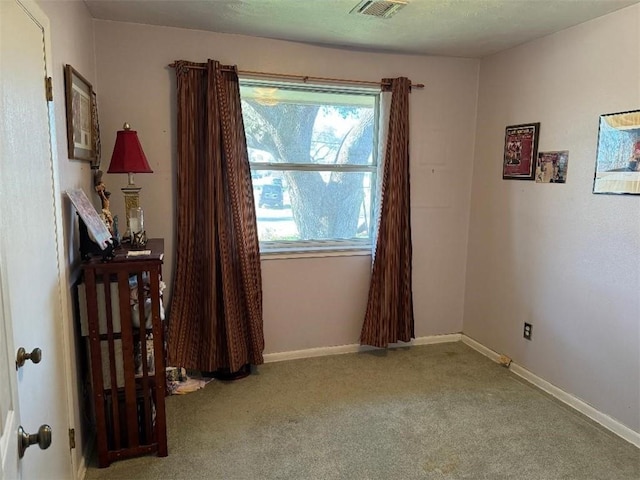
point(131, 200)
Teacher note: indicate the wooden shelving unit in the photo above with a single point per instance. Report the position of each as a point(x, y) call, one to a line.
point(120, 303)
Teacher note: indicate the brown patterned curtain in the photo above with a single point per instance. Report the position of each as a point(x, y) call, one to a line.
point(216, 309)
point(389, 315)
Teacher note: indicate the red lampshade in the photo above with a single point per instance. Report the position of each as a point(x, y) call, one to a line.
point(128, 156)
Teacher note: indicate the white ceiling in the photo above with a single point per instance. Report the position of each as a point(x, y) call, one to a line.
point(462, 28)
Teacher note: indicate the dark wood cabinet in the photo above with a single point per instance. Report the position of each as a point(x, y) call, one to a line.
point(121, 319)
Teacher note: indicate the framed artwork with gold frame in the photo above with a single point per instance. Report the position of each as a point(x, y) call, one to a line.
point(82, 134)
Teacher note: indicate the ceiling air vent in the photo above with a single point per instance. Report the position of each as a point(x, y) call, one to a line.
point(378, 8)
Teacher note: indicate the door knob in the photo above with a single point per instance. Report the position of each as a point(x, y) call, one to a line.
point(35, 356)
point(25, 440)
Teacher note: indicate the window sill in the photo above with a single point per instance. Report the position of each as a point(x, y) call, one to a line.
point(292, 254)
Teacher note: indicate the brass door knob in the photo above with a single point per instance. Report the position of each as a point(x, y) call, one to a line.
point(25, 440)
point(35, 356)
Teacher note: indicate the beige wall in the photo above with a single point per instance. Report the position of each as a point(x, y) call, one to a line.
point(72, 43)
point(556, 255)
point(307, 302)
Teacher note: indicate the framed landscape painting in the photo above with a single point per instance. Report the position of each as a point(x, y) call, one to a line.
point(520, 151)
point(618, 154)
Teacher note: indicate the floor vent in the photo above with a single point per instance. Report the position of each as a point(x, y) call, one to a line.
point(378, 8)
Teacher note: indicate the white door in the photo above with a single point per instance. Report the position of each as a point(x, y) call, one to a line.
point(9, 407)
point(33, 306)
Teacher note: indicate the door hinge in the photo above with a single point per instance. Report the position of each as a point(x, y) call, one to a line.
point(48, 88)
point(72, 438)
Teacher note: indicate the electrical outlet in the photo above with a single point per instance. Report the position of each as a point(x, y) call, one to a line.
point(527, 330)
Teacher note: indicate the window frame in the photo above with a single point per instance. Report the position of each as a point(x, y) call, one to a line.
point(325, 247)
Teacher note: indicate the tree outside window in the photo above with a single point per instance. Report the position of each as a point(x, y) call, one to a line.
point(313, 163)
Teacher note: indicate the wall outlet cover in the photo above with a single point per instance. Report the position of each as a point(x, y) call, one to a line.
point(528, 330)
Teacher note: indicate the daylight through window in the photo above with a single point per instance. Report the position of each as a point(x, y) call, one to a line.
point(313, 164)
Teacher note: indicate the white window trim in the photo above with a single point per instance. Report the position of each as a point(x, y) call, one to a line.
point(272, 250)
point(291, 254)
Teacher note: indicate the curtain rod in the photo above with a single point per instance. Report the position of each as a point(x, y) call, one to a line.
point(302, 78)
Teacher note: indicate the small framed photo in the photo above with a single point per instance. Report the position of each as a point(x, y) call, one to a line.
point(552, 167)
point(95, 225)
point(80, 102)
point(618, 154)
point(520, 151)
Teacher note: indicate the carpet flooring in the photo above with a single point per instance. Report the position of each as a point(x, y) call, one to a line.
point(425, 412)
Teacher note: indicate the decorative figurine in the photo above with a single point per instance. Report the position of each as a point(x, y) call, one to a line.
point(101, 190)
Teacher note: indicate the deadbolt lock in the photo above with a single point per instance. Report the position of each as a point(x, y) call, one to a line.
point(25, 440)
point(35, 356)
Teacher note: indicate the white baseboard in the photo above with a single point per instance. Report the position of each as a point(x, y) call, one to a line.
point(596, 415)
point(581, 406)
point(82, 468)
point(355, 348)
point(487, 352)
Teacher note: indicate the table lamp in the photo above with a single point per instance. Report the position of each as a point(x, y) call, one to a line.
point(128, 157)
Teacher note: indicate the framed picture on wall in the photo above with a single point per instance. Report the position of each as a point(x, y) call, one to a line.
point(97, 146)
point(80, 103)
point(520, 151)
point(552, 167)
point(618, 154)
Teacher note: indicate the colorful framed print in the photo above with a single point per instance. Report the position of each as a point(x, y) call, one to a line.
point(520, 151)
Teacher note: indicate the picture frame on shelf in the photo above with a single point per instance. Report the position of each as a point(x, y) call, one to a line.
point(520, 151)
point(80, 101)
point(618, 154)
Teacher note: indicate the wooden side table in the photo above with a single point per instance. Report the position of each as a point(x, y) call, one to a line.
point(121, 303)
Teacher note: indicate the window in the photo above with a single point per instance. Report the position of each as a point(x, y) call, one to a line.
point(313, 164)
